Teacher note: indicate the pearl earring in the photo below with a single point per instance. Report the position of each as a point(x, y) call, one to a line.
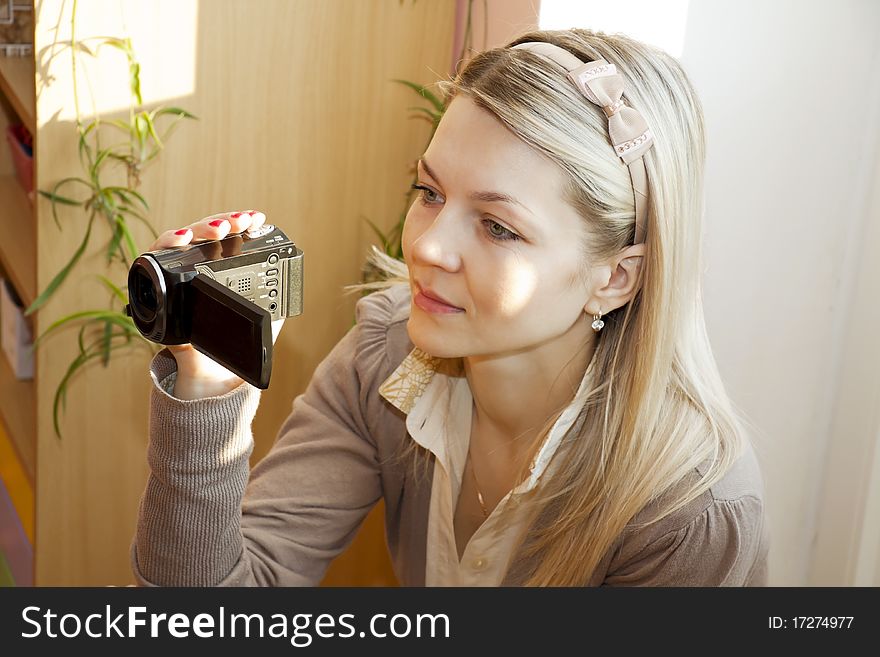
point(597, 322)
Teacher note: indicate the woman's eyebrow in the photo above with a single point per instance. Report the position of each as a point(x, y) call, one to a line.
point(488, 197)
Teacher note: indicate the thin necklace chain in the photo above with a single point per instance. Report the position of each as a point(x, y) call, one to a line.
point(477, 484)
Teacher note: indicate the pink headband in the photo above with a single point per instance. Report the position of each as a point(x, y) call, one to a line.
point(630, 135)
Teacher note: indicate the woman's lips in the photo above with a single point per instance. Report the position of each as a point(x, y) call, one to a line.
point(432, 305)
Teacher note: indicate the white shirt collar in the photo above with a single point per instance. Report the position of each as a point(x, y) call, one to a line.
point(436, 398)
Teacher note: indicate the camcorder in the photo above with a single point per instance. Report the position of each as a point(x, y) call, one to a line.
point(221, 296)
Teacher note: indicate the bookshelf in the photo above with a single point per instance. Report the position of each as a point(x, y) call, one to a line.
point(17, 85)
point(18, 266)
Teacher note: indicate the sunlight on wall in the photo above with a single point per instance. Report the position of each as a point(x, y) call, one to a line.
point(170, 47)
point(661, 24)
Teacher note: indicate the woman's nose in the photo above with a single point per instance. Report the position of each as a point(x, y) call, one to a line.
point(438, 245)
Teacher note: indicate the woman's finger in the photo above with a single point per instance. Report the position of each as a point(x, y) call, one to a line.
point(172, 238)
point(214, 227)
point(218, 226)
point(257, 220)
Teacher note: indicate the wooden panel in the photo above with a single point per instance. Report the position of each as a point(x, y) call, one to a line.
point(17, 404)
point(18, 251)
point(17, 84)
point(19, 485)
point(299, 117)
point(7, 116)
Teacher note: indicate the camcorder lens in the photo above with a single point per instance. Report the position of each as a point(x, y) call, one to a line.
point(145, 303)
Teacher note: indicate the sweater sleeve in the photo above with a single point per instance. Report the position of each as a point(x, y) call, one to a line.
point(725, 545)
point(206, 520)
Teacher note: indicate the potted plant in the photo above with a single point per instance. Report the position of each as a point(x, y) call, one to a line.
point(105, 145)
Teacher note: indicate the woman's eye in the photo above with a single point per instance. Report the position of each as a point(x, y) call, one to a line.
point(494, 230)
point(498, 232)
point(427, 195)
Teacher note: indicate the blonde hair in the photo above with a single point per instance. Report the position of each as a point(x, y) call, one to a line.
point(659, 408)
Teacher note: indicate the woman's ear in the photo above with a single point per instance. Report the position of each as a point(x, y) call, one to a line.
point(618, 288)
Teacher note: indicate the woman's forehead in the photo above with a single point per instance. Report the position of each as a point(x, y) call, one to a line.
point(472, 148)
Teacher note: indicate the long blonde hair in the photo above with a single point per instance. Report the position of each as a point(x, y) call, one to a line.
point(658, 408)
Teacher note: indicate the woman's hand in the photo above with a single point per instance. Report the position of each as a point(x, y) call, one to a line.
point(197, 375)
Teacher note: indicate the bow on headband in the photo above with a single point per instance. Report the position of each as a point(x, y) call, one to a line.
point(630, 135)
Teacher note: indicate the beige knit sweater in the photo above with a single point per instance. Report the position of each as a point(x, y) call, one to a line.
point(206, 519)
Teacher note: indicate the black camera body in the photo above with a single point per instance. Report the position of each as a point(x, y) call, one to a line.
point(221, 296)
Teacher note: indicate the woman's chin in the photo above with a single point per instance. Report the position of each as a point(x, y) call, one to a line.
point(431, 340)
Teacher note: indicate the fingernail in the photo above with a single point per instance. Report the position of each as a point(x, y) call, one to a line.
point(252, 212)
point(182, 231)
point(217, 223)
point(235, 215)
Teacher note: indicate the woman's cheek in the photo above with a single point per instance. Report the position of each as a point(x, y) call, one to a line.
point(519, 285)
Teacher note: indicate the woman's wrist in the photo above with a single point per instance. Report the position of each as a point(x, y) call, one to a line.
point(190, 388)
point(200, 377)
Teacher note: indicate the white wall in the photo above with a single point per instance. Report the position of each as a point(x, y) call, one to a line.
point(791, 94)
point(847, 546)
point(790, 91)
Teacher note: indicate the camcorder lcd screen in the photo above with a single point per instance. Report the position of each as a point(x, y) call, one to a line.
point(232, 330)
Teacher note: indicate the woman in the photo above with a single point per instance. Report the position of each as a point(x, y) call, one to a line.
point(538, 404)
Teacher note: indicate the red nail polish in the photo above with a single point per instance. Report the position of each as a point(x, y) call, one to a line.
point(252, 212)
point(217, 223)
point(182, 231)
point(235, 215)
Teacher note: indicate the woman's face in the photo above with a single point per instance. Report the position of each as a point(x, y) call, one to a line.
point(491, 235)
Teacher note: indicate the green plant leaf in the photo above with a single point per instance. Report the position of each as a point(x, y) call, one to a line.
point(141, 218)
point(105, 343)
point(424, 93)
point(114, 244)
point(177, 111)
point(127, 209)
point(52, 198)
point(127, 160)
point(129, 240)
point(61, 183)
point(57, 198)
point(84, 48)
point(83, 145)
point(134, 70)
point(141, 129)
point(61, 275)
point(113, 316)
point(122, 193)
point(61, 390)
point(103, 154)
point(108, 204)
point(78, 45)
point(125, 192)
point(79, 339)
point(167, 133)
point(434, 117)
point(125, 126)
point(118, 226)
point(152, 130)
point(434, 114)
point(113, 42)
point(117, 292)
